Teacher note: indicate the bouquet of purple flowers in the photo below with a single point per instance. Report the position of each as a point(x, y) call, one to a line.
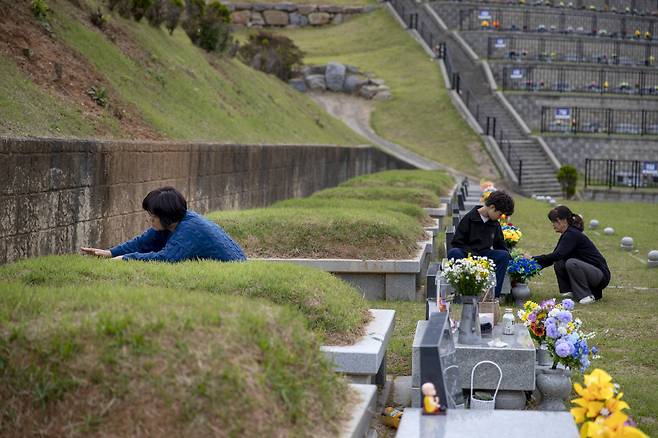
point(566, 341)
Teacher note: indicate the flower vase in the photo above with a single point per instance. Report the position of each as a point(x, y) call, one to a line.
point(555, 389)
point(469, 324)
point(544, 356)
point(520, 292)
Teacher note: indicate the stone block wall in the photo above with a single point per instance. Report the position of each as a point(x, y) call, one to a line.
point(529, 105)
point(57, 195)
point(289, 14)
point(575, 149)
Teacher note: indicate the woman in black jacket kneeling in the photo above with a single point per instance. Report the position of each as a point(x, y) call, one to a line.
point(581, 270)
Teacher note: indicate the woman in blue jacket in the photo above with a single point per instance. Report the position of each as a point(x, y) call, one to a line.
point(177, 234)
point(580, 268)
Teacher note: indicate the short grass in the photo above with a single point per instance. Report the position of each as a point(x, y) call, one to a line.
point(420, 116)
point(106, 358)
point(331, 204)
point(322, 233)
point(176, 89)
point(438, 181)
point(625, 320)
point(334, 311)
point(27, 109)
point(420, 197)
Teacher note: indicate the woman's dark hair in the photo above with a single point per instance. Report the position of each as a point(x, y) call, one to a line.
point(563, 212)
point(167, 204)
point(501, 201)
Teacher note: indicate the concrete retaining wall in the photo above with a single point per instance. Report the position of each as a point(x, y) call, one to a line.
point(57, 195)
point(619, 195)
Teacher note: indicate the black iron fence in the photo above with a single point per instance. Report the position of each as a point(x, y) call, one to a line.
point(564, 22)
point(633, 7)
point(621, 173)
point(578, 120)
point(549, 50)
point(538, 78)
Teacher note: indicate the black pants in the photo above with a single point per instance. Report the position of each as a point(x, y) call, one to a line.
point(577, 277)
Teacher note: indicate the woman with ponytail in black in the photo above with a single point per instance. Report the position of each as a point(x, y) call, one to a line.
point(581, 270)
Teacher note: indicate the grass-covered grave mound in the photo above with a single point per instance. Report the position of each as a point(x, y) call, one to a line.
point(315, 202)
point(420, 197)
point(322, 233)
point(436, 181)
point(92, 346)
point(334, 311)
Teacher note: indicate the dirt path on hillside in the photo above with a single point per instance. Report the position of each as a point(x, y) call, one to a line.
point(355, 113)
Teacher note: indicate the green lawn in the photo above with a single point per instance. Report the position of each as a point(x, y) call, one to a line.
point(625, 320)
point(420, 116)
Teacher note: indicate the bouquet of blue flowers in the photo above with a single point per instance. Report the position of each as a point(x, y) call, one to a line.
point(567, 342)
point(521, 269)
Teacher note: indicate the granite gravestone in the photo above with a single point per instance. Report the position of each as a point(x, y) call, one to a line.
point(438, 362)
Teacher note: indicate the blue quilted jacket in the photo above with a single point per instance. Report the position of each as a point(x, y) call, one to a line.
point(195, 237)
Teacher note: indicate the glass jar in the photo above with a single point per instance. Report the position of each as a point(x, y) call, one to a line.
point(508, 322)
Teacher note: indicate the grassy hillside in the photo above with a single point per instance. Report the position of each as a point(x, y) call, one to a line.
point(178, 90)
point(26, 109)
point(420, 116)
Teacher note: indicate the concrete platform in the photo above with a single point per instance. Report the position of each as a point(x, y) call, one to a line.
point(364, 360)
point(362, 412)
point(377, 279)
point(461, 423)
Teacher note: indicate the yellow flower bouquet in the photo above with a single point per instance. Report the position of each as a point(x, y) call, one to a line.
point(600, 409)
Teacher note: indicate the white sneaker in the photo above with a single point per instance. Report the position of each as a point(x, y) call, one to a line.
point(566, 295)
point(587, 300)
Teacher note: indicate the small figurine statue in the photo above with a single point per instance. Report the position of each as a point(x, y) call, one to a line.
point(431, 405)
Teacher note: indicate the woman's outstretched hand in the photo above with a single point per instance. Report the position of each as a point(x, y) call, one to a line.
point(96, 252)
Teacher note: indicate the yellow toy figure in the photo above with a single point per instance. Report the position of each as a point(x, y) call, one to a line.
point(431, 405)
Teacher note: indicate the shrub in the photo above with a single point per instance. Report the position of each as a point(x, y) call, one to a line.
point(98, 19)
point(194, 10)
point(568, 177)
point(273, 54)
point(138, 8)
point(157, 13)
point(123, 7)
point(98, 95)
point(41, 10)
point(173, 12)
point(214, 29)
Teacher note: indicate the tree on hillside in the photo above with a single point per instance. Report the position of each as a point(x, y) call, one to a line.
point(208, 26)
point(173, 12)
point(157, 13)
point(138, 8)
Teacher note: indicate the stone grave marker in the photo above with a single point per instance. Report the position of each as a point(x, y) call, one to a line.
point(438, 362)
